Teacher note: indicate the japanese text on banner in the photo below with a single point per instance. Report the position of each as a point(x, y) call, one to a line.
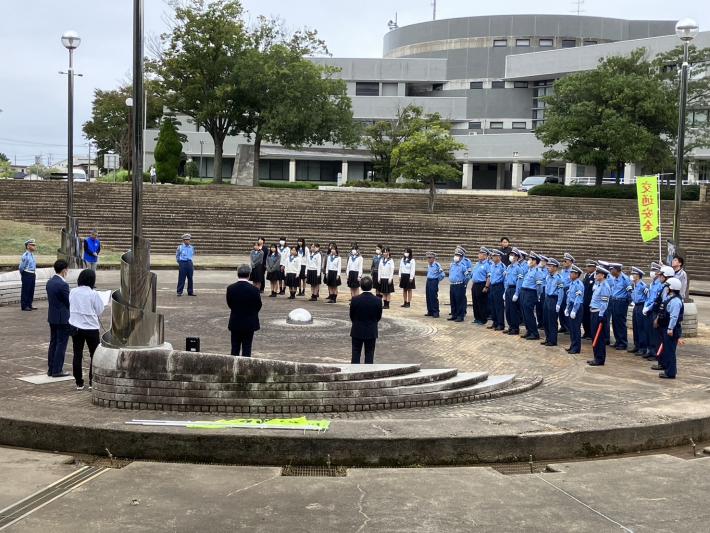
point(647, 192)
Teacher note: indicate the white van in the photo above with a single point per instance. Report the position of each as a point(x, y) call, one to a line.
point(79, 175)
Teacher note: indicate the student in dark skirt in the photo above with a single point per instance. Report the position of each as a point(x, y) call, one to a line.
point(303, 253)
point(386, 273)
point(354, 270)
point(293, 270)
point(313, 270)
point(265, 249)
point(407, 267)
point(332, 277)
point(273, 269)
point(257, 266)
point(374, 268)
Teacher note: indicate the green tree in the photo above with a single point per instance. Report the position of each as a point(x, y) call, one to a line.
point(192, 171)
point(5, 169)
point(168, 151)
point(291, 100)
point(616, 113)
point(200, 67)
point(382, 137)
point(427, 156)
point(39, 170)
point(110, 119)
point(3, 157)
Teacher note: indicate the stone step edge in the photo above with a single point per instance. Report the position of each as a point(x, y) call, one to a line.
point(453, 396)
point(460, 381)
point(423, 376)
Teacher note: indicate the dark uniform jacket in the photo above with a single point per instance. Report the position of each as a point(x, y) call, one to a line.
point(58, 296)
point(365, 313)
point(245, 302)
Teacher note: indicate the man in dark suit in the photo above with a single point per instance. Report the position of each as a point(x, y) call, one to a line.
point(245, 302)
point(58, 318)
point(365, 313)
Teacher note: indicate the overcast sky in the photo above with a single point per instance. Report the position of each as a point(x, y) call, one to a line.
point(33, 94)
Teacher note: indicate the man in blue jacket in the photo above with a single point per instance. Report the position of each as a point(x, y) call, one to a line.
point(58, 318)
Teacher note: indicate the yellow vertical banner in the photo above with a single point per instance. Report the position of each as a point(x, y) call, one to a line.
point(647, 193)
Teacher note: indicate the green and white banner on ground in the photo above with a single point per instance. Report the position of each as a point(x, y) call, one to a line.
point(649, 206)
point(301, 423)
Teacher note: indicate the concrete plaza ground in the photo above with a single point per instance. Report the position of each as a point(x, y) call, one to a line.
point(577, 411)
point(659, 493)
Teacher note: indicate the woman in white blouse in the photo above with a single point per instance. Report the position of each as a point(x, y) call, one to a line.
point(332, 276)
point(85, 308)
point(385, 274)
point(407, 265)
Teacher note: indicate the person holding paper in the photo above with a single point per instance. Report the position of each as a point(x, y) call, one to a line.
point(85, 308)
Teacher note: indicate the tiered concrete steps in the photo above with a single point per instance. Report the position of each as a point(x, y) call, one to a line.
point(226, 220)
point(170, 380)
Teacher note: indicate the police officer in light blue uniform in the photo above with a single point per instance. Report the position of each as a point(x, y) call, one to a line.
point(434, 275)
point(27, 268)
point(496, 290)
point(650, 309)
point(639, 295)
point(598, 307)
point(529, 298)
point(183, 255)
point(513, 278)
point(479, 287)
point(554, 295)
point(610, 282)
point(670, 317)
point(459, 274)
point(619, 306)
point(541, 281)
point(567, 262)
point(574, 309)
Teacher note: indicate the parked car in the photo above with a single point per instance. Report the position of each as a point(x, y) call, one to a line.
point(79, 175)
point(534, 181)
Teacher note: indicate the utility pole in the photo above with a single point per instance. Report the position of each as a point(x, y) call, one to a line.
point(433, 5)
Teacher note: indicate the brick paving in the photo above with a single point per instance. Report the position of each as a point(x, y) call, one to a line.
point(573, 395)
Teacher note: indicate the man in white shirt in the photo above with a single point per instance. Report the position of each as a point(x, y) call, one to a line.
point(678, 265)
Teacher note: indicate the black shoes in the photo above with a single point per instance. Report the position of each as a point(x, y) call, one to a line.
point(273, 294)
point(594, 363)
point(663, 375)
point(61, 375)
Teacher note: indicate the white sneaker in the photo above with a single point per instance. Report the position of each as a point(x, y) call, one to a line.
point(80, 387)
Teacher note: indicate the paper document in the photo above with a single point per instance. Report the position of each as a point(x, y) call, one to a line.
point(105, 296)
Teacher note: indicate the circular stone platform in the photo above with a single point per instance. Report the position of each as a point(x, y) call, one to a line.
point(577, 411)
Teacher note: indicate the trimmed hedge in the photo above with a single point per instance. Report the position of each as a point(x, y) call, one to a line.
point(385, 185)
point(690, 192)
point(290, 184)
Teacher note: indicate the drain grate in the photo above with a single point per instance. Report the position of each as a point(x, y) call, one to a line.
point(515, 469)
point(314, 471)
point(21, 509)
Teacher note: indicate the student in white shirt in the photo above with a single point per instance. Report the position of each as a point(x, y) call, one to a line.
point(354, 270)
point(303, 253)
point(293, 269)
point(407, 266)
point(284, 251)
point(85, 308)
point(386, 273)
point(313, 270)
point(332, 279)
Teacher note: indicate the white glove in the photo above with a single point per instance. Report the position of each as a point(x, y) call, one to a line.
point(573, 315)
point(504, 297)
point(644, 312)
point(515, 297)
point(557, 308)
point(566, 312)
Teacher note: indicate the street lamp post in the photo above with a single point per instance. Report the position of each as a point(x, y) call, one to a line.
point(686, 29)
point(71, 41)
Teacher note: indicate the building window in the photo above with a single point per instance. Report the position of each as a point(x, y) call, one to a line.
point(496, 125)
point(367, 88)
point(476, 85)
point(390, 89)
point(500, 43)
point(520, 84)
point(437, 87)
point(569, 43)
point(474, 125)
point(492, 167)
point(547, 43)
point(589, 43)
point(700, 117)
point(519, 125)
point(498, 85)
point(522, 42)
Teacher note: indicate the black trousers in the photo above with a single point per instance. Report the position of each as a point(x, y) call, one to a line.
point(480, 302)
point(369, 345)
point(58, 340)
point(28, 289)
point(241, 342)
point(92, 340)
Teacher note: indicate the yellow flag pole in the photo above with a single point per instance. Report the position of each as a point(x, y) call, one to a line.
point(660, 240)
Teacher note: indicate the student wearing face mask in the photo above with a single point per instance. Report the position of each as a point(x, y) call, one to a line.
point(303, 253)
point(354, 270)
point(407, 266)
point(273, 269)
point(513, 277)
point(293, 269)
point(459, 275)
point(386, 274)
point(313, 271)
point(374, 269)
point(333, 267)
point(284, 251)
